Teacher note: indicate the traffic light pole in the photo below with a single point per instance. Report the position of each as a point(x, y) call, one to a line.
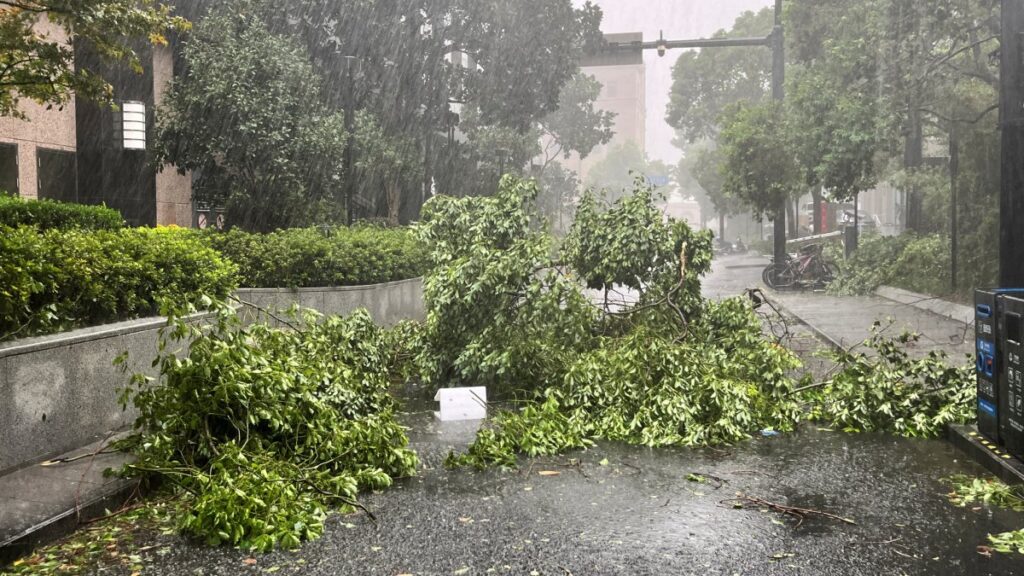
point(777, 42)
point(778, 39)
point(1011, 213)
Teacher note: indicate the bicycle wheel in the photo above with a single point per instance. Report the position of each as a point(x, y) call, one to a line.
point(829, 272)
point(777, 277)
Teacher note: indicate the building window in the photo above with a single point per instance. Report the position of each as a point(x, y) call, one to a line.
point(9, 168)
point(58, 176)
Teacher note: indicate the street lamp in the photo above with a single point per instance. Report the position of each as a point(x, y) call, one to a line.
point(502, 156)
point(351, 67)
point(1011, 113)
point(776, 42)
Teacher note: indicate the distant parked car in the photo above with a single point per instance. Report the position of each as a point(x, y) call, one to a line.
point(865, 222)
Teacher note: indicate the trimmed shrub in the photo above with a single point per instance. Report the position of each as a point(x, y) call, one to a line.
point(57, 280)
point(52, 215)
point(309, 258)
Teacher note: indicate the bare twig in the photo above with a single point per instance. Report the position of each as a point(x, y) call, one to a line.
point(267, 312)
point(129, 507)
point(760, 472)
point(799, 513)
point(718, 480)
point(77, 458)
point(340, 498)
point(92, 458)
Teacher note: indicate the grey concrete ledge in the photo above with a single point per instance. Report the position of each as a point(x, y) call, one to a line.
point(362, 288)
point(933, 304)
point(387, 303)
point(72, 337)
point(61, 391)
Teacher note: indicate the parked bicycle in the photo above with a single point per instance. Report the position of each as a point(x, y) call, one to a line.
point(807, 269)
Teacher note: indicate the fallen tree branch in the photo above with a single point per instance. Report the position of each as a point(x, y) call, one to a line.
point(704, 477)
point(800, 514)
point(341, 498)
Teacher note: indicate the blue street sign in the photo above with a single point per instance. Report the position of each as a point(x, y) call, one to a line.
point(658, 181)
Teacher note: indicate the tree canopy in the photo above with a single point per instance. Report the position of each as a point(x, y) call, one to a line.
point(577, 125)
point(267, 151)
point(617, 172)
point(700, 174)
point(705, 83)
point(38, 63)
point(759, 169)
point(406, 67)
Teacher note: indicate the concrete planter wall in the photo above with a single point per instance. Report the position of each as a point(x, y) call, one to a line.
point(60, 392)
point(388, 303)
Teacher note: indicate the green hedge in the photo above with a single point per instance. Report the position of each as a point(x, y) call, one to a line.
point(310, 258)
point(51, 215)
point(57, 280)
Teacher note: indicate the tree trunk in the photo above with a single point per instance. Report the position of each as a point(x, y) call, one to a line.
point(721, 227)
point(428, 170)
point(954, 200)
point(913, 159)
point(819, 220)
point(393, 193)
point(791, 219)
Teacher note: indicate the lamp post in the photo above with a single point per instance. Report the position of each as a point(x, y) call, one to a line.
point(502, 156)
point(1011, 107)
point(777, 42)
point(351, 63)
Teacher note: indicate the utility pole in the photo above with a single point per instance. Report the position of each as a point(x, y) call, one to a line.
point(1011, 213)
point(777, 43)
point(350, 122)
point(954, 205)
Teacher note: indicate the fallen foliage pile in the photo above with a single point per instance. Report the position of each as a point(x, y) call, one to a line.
point(882, 388)
point(991, 492)
point(607, 337)
point(508, 309)
point(264, 429)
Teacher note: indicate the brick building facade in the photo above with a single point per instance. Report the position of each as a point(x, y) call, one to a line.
point(77, 153)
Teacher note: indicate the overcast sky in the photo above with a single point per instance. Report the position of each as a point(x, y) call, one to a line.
point(680, 19)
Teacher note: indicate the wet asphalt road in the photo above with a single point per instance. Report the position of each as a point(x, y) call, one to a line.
point(619, 510)
point(639, 514)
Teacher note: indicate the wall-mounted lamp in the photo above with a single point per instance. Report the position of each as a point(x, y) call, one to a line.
point(133, 125)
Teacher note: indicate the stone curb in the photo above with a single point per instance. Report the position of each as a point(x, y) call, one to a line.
point(933, 304)
point(47, 531)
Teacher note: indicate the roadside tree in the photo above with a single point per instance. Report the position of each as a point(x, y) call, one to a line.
point(41, 67)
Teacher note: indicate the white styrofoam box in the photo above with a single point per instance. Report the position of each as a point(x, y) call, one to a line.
point(461, 404)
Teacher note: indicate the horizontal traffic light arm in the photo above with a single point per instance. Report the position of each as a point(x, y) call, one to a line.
point(682, 44)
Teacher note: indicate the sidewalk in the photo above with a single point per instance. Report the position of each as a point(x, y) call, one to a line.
point(40, 503)
point(844, 321)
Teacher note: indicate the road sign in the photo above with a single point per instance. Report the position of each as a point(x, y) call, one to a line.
point(658, 181)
